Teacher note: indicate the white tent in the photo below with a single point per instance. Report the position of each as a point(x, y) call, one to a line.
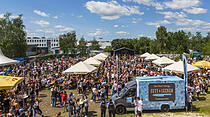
point(92, 61)
point(80, 68)
point(99, 57)
point(145, 55)
point(103, 55)
point(178, 67)
point(152, 57)
point(5, 60)
point(163, 61)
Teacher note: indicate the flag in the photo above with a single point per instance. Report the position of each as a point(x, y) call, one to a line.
point(185, 76)
point(117, 71)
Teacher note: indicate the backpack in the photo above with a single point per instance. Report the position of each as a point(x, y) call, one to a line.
point(111, 106)
point(103, 105)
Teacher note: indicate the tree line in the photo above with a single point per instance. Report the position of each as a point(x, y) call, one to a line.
point(13, 41)
point(166, 42)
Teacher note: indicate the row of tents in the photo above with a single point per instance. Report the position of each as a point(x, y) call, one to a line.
point(175, 66)
point(87, 66)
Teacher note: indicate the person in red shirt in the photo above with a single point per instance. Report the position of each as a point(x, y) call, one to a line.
point(64, 100)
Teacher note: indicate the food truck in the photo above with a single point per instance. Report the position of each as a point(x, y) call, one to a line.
point(157, 93)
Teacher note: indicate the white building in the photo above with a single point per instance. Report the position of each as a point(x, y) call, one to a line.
point(43, 42)
point(43, 45)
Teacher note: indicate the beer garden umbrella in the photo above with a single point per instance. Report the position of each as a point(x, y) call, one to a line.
point(9, 82)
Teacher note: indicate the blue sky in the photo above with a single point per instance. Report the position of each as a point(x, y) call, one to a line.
point(109, 19)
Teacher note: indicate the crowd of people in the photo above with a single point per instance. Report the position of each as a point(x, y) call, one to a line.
point(39, 74)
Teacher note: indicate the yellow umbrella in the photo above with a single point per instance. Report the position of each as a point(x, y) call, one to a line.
point(9, 82)
point(202, 64)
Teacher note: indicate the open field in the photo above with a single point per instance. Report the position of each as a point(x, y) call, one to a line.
point(201, 108)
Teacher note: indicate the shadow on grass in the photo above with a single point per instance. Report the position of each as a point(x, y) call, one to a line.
point(92, 113)
point(42, 95)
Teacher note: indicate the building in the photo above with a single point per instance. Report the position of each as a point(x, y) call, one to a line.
point(42, 45)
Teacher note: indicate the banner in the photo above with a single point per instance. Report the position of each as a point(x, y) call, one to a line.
point(185, 76)
point(117, 71)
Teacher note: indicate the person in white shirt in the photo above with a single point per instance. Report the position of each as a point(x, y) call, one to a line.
point(140, 107)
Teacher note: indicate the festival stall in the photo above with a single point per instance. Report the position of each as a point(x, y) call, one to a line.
point(178, 67)
point(202, 64)
point(5, 60)
point(103, 55)
point(163, 61)
point(92, 61)
point(152, 57)
point(145, 55)
point(99, 57)
point(80, 68)
point(9, 82)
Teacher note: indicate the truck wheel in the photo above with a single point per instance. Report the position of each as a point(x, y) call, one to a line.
point(165, 108)
point(120, 110)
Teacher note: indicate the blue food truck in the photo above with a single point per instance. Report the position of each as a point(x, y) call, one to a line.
point(157, 93)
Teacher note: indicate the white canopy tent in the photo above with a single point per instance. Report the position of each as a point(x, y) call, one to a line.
point(103, 55)
point(178, 67)
point(152, 57)
point(92, 61)
point(163, 61)
point(145, 55)
point(80, 68)
point(5, 60)
point(99, 57)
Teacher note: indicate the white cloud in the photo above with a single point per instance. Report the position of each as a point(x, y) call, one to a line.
point(80, 16)
point(158, 23)
point(191, 29)
point(1, 15)
point(116, 26)
point(66, 29)
point(43, 14)
point(59, 26)
point(195, 10)
point(182, 4)
point(123, 26)
point(42, 23)
point(157, 5)
point(12, 16)
point(171, 15)
point(111, 10)
point(55, 17)
point(136, 20)
point(98, 32)
point(45, 31)
point(189, 22)
point(122, 33)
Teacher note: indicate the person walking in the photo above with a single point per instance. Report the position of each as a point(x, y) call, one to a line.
point(54, 97)
point(64, 100)
point(103, 106)
point(86, 105)
point(71, 105)
point(197, 92)
point(140, 107)
point(111, 108)
point(37, 109)
point(189, 100)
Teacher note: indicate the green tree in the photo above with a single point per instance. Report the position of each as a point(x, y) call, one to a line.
point(108, 49)
point(12, 36)
point(206, 49)
point(94, 45)
point(82, 47)
point(68, 42)
point(161, 35)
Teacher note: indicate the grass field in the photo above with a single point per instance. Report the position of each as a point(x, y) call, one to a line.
point(201, 108)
